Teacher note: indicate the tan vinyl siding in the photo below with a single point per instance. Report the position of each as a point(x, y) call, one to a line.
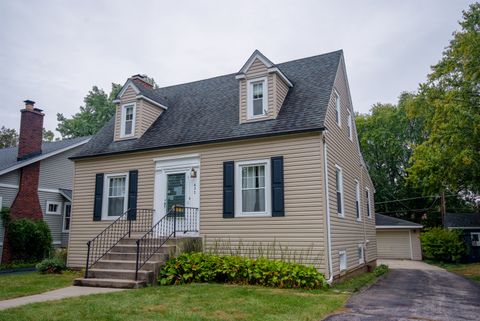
point(281, 91)
point(347, 232)
point(129, 96)
point(147, 114)
point(277, 91)
point(301, 229)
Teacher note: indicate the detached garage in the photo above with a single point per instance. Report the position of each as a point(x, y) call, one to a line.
point(397, 238)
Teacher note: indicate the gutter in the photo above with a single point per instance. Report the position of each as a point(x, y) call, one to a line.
point(327, 212)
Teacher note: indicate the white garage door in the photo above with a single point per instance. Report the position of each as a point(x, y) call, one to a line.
point(393, 245)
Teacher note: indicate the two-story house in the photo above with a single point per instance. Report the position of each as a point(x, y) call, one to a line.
point(36, 178)
point(267, 156)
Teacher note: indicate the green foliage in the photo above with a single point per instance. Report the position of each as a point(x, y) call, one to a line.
point(8, 137)
point(98, 109)
point(386, 137)
point(449, 105)
point(16, 265)
point(202, 267)
point(381, 270)
point(48, 135)
point(5, 215)
point(30, 240)
point(443, 245)
point(51, 265)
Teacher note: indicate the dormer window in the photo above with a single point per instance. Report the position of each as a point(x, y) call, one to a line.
point(257, 98)
point(128, 120)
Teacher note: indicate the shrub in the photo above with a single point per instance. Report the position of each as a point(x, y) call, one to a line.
point(443, 245)
point(51, 265)
point(61, 255)
point(30, 240)
point(381, 270)
point(202, 267)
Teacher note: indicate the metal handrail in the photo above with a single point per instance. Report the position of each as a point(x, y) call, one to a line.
point(121, 227)
point(179, 218)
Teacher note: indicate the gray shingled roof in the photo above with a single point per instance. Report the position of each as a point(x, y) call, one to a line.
point(462, 220)
point(207, 110)
point(384, 220)
point(8, 156)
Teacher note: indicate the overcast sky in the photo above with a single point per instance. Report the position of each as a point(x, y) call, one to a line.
point(53, 52)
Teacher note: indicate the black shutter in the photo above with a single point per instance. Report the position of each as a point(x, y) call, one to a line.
point(97, 203)
point(228, 189)
point(278, 203)
point(132, 194)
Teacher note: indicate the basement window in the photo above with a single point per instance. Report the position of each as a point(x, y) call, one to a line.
point(53, 208)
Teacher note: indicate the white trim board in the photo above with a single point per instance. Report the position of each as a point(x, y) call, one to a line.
point(41, 157)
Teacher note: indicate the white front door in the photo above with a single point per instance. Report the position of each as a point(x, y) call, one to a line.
point(177, 182)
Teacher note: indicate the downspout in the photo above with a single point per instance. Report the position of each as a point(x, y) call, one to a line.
point(329, 237)
point(365, 241)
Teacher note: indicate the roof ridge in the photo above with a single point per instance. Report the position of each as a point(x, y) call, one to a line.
point(234, 73)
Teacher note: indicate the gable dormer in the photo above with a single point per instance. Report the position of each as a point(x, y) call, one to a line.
point(263, 88)
point(138, 106)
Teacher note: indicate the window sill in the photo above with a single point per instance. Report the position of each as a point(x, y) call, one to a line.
point(51, 213)
point(109, 218)
point(254, 215)
point(340, 215)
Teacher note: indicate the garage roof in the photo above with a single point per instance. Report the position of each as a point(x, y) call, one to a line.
point(388, 222)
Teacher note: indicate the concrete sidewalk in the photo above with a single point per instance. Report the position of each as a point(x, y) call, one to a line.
point(58, 294)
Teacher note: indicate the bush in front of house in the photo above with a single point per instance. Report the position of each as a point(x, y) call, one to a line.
point(443, 245)
point(381, 270)
point(51, 265)
point(203, 267)
point(30, 240)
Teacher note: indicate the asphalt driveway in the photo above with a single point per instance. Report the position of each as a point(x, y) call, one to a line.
point(415, 291)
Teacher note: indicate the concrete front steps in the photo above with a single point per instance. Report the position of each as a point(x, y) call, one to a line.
point(117, 268)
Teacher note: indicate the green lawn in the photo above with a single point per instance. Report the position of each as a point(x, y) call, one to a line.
point(21, 284)
point(469, 270)
point(194, 302)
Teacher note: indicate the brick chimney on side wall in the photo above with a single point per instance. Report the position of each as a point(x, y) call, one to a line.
point(27, 203)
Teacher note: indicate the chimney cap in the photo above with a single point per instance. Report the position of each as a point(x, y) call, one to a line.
point(29, 102)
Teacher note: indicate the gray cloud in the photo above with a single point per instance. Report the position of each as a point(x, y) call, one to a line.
point(54, 51)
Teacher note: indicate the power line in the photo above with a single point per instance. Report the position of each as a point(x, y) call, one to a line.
point(411, 198)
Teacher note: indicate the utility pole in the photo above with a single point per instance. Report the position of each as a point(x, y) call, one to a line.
point(443, 208)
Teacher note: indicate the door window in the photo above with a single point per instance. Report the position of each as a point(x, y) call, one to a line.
point(175, 190)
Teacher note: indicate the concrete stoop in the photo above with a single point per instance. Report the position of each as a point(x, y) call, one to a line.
point(117, 268)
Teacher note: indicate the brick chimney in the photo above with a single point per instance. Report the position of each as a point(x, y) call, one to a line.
point(142, 80)
point(31, 131)
point(27, 203)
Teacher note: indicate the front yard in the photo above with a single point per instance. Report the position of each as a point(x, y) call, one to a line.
point(187, 302)
point(29, 283)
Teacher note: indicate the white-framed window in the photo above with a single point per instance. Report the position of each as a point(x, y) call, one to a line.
point(67, 213)
point(342, 258)
point(339, 189)
point(475, 236)
point(54, 208)
point(338, 114)
point(349, 125)
point(127, 126)
point(361, 254)
point(115, 200)
point(253, 188)
point(367, 197)
point(257, 98)
point(357, 201)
